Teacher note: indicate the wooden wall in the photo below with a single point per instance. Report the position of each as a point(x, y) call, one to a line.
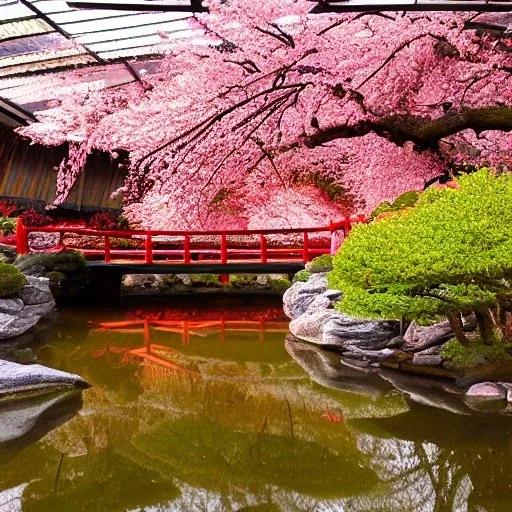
point(28, 174)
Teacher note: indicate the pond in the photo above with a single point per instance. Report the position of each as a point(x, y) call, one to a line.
point(216, 409)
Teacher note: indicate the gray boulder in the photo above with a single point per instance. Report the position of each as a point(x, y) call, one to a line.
point(310, 296)
point(22, 311)
point(329, 327)
point(487, 391)
point(419, 338)
point(18, 379)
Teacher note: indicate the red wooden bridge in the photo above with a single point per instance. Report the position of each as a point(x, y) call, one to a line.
point(194, 251)
point(113, 253)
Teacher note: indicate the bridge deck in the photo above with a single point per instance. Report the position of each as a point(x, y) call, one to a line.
point(250, 267)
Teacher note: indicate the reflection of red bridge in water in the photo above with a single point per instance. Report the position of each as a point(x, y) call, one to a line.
point(150, 353)
point(197, 251)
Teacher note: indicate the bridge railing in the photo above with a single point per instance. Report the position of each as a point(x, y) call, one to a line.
point(191, 247)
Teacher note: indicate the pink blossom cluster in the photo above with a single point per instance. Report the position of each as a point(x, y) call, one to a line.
point(229, 132)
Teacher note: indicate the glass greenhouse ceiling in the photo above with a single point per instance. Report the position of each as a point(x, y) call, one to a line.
point(112, 46)
point(105, 45)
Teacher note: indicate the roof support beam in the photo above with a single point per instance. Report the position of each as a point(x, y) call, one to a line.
point(342, 6)
point(58, 28)
point(192, 6)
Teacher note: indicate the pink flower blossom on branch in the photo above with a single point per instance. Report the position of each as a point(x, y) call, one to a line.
point(279, 101)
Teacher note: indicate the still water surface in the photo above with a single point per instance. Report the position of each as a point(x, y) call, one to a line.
point(215, 410)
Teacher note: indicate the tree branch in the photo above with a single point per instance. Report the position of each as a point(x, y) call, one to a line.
point(423, 132)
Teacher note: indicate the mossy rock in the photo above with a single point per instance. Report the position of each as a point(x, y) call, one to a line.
point(40, 263)
point(11, 279)
point(279, 285)
point(406, 200)
point(205, 280)
point(301, 276)
point(321, 263)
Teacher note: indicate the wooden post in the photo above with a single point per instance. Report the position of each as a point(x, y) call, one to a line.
point(223, 249)
point(263, 242)
point(149, 249)
point(186, 249)
point(107, 249)
point(21, 237)
point(305, 252)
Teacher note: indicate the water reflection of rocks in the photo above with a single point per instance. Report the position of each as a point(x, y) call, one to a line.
point(438, 456)
point(245, 428)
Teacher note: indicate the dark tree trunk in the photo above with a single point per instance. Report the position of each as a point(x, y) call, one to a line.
point(455, 320)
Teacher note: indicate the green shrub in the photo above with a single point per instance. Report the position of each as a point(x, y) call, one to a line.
point(460, 356)
point(321, 263)
point(11, 279)
point(302, 276)
point(449, 254)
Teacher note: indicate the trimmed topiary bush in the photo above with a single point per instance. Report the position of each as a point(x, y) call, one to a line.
point(448, 255)
point(11, 279)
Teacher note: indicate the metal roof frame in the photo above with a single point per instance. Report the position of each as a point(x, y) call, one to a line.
point(345, 6)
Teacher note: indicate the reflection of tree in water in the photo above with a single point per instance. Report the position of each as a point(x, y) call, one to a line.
point(430, 460)
point(417, 476)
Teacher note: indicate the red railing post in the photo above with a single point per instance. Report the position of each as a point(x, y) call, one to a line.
point(107, 249)
point(21, 237)
point(263, 242)
point(347, 227)
point(149, 248)
point(305, 249)
point(186, 249)
point(223, 249)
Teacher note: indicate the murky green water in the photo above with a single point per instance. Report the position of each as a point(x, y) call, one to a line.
point(216, 415)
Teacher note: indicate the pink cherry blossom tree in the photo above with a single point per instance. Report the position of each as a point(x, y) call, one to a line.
point(274, 112)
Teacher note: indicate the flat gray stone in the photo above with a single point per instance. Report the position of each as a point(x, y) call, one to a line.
point(427, 360)
point(300, 295)
point(419, 338)
point(342, 329)
point(20, 378)
point(310, 327)
point(22, 312)
point(11, 305)
point(36, 292)
point(487, 391)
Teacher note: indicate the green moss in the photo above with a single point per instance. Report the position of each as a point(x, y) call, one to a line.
point(7, 225)
point(63, 261)
point(321, 263)
point(302, 276)
point(460, 356)
point(208, 280)
point(11, 279)
point(280, 285)
point(406, 200)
